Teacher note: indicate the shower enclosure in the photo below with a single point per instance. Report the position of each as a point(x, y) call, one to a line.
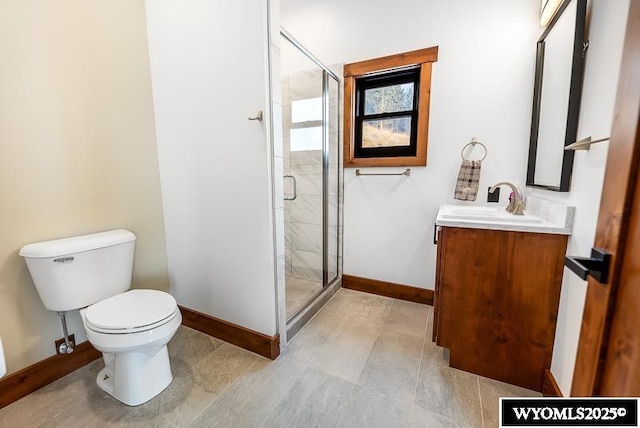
point(310, 112)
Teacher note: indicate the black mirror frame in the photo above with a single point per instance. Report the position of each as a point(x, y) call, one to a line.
point(575, 95)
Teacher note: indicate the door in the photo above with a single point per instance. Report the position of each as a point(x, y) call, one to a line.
point(310, 105)
point(608, 359)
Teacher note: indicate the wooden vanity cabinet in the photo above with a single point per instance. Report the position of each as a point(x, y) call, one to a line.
point(496, 301)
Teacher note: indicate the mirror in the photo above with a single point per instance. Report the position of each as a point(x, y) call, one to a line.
point(556, 98)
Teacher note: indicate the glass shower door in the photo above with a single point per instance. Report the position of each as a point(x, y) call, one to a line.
point(311, 131)
point(303, 132)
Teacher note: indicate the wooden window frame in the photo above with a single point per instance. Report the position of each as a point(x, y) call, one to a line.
point(422, 58)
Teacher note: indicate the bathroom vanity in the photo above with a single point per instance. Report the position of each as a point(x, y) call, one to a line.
point(497, 291)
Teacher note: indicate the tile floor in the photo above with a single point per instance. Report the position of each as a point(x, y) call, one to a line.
point(362, 361)
point(300, 291)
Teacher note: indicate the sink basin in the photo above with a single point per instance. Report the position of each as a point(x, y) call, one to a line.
point(455, 212)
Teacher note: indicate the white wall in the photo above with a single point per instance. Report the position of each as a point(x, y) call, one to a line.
point(209, 69)
point(78, 150)
point(605, 31)
point(482, 86)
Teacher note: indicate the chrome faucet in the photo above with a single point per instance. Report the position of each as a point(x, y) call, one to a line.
point(516, 206)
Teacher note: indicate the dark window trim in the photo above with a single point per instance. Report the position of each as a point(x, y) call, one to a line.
point(380, 81)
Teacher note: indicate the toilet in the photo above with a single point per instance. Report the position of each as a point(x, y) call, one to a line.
point(131, 328)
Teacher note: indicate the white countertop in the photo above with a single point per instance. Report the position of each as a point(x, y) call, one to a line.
point(496, 218)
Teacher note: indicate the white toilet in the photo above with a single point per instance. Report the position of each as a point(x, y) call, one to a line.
point(131, 328)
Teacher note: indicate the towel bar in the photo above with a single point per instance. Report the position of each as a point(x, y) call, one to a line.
point(585, 143)
point(406, 172)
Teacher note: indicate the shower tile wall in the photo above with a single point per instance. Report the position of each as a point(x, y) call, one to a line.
point(303, 216)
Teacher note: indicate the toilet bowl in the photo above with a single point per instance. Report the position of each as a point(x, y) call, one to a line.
point(131, 328)
point(132, 331)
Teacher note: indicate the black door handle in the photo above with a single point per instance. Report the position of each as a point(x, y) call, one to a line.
point(596, 266)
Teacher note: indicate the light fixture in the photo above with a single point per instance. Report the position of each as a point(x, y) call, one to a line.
point(548, 9)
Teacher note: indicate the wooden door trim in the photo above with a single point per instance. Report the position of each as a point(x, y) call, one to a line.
point(621, 373)
point(614, 218)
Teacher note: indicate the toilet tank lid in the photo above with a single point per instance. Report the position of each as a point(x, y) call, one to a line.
point(76, 244)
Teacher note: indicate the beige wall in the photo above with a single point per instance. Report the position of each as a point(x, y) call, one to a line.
point(77, 149)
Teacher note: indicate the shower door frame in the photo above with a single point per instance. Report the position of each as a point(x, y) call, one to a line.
point(299, 318)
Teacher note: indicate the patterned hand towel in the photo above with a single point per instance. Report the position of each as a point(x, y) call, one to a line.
point(468, 180)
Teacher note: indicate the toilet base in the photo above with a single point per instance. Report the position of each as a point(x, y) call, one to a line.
point(134, 378)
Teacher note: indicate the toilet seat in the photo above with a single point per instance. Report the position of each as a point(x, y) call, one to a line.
point(131, 312)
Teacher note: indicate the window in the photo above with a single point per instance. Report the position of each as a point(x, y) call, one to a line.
point(386, 115)
point(306, 124)
point(387, 110)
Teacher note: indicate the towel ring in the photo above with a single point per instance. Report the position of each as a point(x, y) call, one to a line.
point(473, 143)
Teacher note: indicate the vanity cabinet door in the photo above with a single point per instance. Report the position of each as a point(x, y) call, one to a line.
point(497, 301)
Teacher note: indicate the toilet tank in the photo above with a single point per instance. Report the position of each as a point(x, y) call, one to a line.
point(75, 272)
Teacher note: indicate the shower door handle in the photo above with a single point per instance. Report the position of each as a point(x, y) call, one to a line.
point(295, 188)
